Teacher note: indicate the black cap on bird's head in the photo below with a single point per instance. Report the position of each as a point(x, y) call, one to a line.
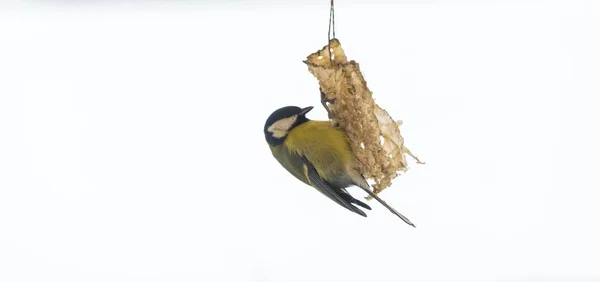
point(283, 120)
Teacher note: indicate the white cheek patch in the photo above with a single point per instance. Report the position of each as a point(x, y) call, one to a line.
point(280, 128)
point(279, 133)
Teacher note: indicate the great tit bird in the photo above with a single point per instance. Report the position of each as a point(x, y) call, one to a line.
point(318, 154)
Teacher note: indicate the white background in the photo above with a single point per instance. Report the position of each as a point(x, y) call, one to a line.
point(131, 143)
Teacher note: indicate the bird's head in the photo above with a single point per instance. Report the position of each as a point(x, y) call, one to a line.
point(281, 121)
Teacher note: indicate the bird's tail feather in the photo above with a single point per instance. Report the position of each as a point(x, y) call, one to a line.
point(372, 194)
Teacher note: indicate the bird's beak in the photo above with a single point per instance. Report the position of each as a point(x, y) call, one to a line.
point(306, 110)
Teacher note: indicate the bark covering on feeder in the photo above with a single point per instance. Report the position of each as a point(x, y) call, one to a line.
point(374, 136)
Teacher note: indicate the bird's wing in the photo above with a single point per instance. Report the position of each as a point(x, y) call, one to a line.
point(318, 182)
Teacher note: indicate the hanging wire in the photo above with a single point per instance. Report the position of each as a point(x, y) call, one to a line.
point(331, 30)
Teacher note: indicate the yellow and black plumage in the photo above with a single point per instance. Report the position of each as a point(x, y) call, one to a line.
point(318, 154)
